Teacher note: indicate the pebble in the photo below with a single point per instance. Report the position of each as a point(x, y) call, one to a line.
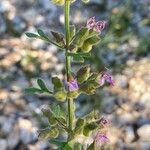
point(27, 131)
point(8, 124)
point(144, 132)
point(3, 144)
point(18, 25)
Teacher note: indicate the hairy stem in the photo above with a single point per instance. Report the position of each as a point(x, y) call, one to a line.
point(68, 63)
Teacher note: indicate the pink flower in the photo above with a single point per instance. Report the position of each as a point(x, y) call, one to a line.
point(106, 77)
point(73, 85)
point(91, 23)
point(104, 122)
point(101, 138)
point(100, 25)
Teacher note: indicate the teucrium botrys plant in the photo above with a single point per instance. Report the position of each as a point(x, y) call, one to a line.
point(77, 46)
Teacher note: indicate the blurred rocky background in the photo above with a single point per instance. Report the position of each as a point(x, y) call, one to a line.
point(124, 49)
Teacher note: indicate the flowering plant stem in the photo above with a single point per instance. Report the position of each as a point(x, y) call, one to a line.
point(68, 63)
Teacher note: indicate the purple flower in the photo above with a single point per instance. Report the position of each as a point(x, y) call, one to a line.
point(104, 122)
point(73, 85)
point(106, 77)
point(101, 138)
point(100, 25)
point(91, 23)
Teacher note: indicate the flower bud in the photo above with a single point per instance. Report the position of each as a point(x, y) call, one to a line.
point(91, 23)
point(100, 25)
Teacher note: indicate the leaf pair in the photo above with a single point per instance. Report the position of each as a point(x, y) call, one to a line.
point(89, 85)
point(59, 38)
point(85, 39)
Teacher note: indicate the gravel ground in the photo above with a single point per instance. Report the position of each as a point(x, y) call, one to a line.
point(22, 61)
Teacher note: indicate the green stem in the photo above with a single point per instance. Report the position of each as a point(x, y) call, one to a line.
point(68, 63)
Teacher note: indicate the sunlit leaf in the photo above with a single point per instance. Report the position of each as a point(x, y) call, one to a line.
point(85, 1)
point(48, 133)
point(79, 126)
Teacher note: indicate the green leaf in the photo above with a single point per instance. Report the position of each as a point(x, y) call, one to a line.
point(78, 59)
point(58, 2)
point(31, 35)
point(58, 85)
point(49, 115)
point(92, 33)
point(61, 144)
point(83, 74)
point(48, 133)
point(93, 76)
point(42, 34)
point(85, 1)
point(91, 116)
point(58, 37)
point(91, 146)
point(83, 33)
point(86, 47)
point(89, 87)
point(72, 31)
point(78, 146)
point(79, 126)
point(60, 95)
point(81, 36)
point(58, 111)
point(42, 85)
point(73, 94)
point(72, 48)
point(32, 90)
point(79, 54)
point(54, 114)
point(93, 40)
point(89, 127)
point(58, 143)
